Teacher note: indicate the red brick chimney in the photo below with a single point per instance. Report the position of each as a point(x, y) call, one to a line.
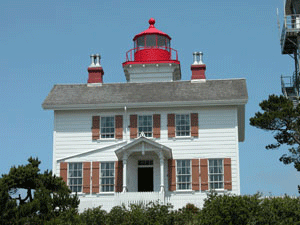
point(198, 68)
point(95, 70)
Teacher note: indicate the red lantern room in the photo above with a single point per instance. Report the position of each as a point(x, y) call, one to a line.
point(152, 46)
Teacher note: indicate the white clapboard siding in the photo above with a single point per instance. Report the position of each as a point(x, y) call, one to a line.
point(218, 138)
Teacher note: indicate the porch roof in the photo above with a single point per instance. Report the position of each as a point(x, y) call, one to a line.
point(157, 147)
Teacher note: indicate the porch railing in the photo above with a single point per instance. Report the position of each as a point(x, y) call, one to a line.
point(144, 198)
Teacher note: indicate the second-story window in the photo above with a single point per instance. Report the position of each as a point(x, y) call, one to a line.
point(107, 127)
point(145, 125)
point(182, 125)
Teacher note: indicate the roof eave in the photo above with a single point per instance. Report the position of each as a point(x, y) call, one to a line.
point(144, 104)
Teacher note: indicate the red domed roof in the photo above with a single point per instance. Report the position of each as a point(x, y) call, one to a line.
point(151, 30)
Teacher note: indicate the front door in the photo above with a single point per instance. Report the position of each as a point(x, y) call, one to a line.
point(145, 179)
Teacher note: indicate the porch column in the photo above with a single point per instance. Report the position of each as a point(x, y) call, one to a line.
point(125, 157)
point(162, 179)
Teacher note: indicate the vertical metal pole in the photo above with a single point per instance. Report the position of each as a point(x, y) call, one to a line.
point(296, 56)
point(296, 71)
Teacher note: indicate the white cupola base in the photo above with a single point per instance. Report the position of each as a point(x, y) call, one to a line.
point(154, 72)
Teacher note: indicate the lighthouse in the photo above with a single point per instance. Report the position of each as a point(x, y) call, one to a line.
point(155, 138)
point(152, 59)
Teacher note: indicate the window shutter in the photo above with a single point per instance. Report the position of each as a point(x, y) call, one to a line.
point(133, 126)
point(96, 128)
point(204, 174)
point(227, 174)
point(64, 171)
point(86, 177)
point(194, 124)
point(171, 125)
point(118, 176)
point(156, 126)
point(195, 174)
point(95, 177)
point(172, 175)
point(119, 127)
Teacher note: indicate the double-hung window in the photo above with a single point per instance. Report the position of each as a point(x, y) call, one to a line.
point(107, 176)
point(75, 177)
point(182, 125)
point(145, 125)
point(184, 175)
point(107, 127)
point(216, 173)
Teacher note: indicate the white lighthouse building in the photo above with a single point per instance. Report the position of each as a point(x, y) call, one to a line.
point(154, 138)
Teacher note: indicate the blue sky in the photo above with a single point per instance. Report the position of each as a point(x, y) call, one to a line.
point(43, 43)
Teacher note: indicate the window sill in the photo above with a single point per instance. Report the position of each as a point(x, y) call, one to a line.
point(183, 138)
point(184, 191)
point(218, 190)
point(108, 140)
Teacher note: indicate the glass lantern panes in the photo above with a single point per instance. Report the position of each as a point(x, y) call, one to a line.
point(141, 41)
point(183, 174)
point(161, 41)
point(107, 176)
point(151, 40)
point(75, 177)
point(216, 174)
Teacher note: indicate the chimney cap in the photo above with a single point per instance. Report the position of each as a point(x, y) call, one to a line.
point(95, 60)
point(198, 58)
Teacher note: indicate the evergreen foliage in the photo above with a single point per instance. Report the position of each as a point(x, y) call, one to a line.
point(283, 119)
point(217, 209)
point(46, 196)
point(49, 202)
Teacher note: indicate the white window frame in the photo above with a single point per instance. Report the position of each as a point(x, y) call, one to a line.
point(178, 175)
point(182, 131)
point(76, 178)
point(147, 133)
point(107, 135)
point(211, 172)
point(107, 177)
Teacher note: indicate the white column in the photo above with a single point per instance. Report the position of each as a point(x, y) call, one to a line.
point(125, 157)
point(162, 179)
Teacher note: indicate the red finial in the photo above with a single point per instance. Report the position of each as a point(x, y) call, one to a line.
point(151, 22)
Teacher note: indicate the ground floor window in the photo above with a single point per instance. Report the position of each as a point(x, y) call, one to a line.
point(107, 176)
point(216, 173)
point(75, 177)
point(183, 169)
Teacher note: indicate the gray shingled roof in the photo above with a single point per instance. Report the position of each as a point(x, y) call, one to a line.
point(135, 93)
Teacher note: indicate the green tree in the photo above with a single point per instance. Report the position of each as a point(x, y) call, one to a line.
point(283, 119)
point(46, 196)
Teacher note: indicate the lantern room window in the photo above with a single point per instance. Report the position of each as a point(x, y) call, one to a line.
point(141, 41)
point(152, 41)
